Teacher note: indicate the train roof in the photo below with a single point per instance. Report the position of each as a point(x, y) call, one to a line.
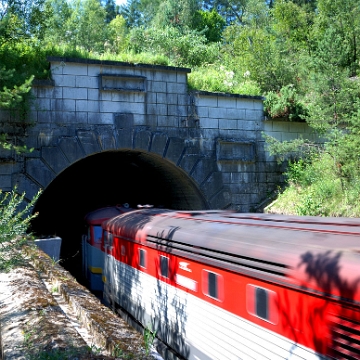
point(312, 252)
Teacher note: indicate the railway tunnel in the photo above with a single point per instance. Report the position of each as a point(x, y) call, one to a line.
point(105, 179)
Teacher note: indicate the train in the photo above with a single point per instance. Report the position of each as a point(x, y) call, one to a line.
point(217, 284)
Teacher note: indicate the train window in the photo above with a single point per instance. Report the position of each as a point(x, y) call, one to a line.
point(108, 239)
point(142, 259)
point(97, 234)
point(261, 303)
point(212, 285)
point(164, 266)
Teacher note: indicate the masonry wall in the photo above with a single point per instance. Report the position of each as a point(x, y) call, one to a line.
point(93, 106)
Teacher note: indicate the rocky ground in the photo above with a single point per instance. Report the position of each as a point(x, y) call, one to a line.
point(46, 314)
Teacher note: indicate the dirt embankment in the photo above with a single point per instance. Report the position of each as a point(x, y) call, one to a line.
point(46, 314)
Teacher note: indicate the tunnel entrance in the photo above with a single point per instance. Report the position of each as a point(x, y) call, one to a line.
point(106, 179)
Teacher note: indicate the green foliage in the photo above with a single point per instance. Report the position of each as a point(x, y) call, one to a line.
point(149, 337)
point(15, 219)
point(220, 79)
point(285, 104)
point(186, 48)
point(315, 188)
point(211, 23)
point(294, 149)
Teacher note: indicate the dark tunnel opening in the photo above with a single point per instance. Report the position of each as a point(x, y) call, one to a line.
point(107, 179)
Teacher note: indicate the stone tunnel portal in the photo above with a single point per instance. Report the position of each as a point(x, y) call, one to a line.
point(105, 179)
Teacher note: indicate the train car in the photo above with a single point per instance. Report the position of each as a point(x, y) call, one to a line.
point(92, 254)
point(222, 285)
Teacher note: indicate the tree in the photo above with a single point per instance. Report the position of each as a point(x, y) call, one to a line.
point(111, 10)
point(118, 34)
point(56, 24)
point(211, 23)
point(87, 26)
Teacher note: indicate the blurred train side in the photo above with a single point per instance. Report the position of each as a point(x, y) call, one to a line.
point(221, 285)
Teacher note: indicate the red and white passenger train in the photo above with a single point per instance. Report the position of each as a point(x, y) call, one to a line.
point(223, 285)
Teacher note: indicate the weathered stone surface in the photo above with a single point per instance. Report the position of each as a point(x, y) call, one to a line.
point(88, 141)
point(175, 150)
point(92, 106)
point(158, 144)
point(71, 148)
point(142, 140)
point(106, 138)
point(54, 158)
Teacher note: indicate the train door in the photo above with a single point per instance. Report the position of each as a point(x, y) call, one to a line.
point(108, 276)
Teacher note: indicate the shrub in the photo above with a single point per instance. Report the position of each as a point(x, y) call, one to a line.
point(15, 219)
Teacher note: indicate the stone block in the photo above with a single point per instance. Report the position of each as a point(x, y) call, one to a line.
point(164, 76)
point(38, 171)
point(181, 78)
point(206, 101)
point(156, 86)
point(86, 105)
point(25, 184)
point(221, 200)
point(139, 119)
point(44, 117)
point(135, 108)
point(65, 81)
point(151, 98)
point(93, 94)
point(203, 168)
point(212, 185)
point(176, 88)
point(43, 92)
point(124, 120)
point(54, 158)
point(142, 140)
point(89, 82)
point(158, 144)
point(183, 99)
point(5, 182)
point(188, 162)
point(203, 111)
point(71, 148)
point(63, 105)
point(75, 69)
point(244, 103)
point(227, 102)
point(106, 138)
point(75, 93)
point(170, 99)
point(232, 114)
point(167, 121)
point(228, 150)
point(209, 123)
point(124, 138)
point(157, 109)
point(175, 149)
point(112, 107)
point(50, 247)
point(254, 115)
point(88, 141)
point(227, 124)
point(57, 68)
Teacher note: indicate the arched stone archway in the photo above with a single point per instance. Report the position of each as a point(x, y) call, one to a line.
point(93, 170)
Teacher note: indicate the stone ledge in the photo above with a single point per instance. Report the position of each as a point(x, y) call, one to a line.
point(116, 63)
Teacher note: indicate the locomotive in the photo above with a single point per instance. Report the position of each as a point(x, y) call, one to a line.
point(224, 285)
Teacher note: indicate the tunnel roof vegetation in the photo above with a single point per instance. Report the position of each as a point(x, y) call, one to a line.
point(303, 56)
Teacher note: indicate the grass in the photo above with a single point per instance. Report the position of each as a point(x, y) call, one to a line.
point(317, 189)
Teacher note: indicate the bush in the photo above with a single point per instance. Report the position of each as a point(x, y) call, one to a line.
point(15, 219)
point(285, 104)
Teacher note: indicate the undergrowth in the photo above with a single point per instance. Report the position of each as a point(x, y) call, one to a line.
point(315, 187)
